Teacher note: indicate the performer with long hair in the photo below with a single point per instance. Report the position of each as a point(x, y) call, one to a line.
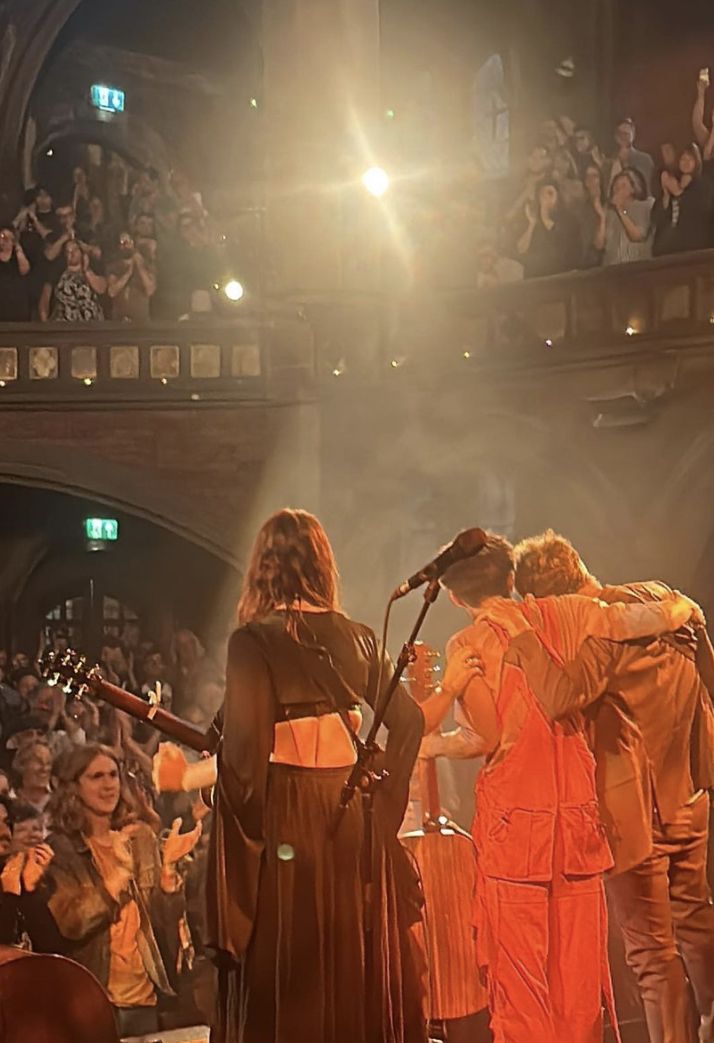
point(286, 901)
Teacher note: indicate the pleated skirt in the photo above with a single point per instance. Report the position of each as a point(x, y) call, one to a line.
point(304, 978)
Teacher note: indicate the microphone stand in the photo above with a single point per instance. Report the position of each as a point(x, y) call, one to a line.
point(364, 778)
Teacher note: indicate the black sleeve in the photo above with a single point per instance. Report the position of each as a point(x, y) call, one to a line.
point(237, 835)
point(40, 924)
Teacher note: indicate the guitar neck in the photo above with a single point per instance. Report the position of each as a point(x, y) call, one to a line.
point(157, 717)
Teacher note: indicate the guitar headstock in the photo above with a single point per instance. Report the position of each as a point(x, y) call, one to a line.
point(423, 672)
point(70, 670)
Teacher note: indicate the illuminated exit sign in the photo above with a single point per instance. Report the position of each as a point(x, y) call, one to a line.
point(108, 99)
point(101, 529)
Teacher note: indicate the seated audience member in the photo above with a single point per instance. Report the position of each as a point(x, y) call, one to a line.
point(585, 152)
point(110, 882)
point(683, 213)
point(623, 232)
point(590, 214)
point(550, 242)
point(14, 282)
point(32, 771)
point(23, 910)
point(131, 282)
point(628, 157)
point(28, 826)
point(493, 269)
point(76, 295)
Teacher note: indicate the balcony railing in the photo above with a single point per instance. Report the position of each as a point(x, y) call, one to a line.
point(176, 362)
point(297, 342)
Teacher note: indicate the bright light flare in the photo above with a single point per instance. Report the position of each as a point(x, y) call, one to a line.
point(376, 181)
point(233, 290)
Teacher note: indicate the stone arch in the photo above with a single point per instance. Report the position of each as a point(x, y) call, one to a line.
point(82, 474)
point(28, 32)
point(133, 139)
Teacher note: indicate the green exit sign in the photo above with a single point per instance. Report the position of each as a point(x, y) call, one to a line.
point(101, 528)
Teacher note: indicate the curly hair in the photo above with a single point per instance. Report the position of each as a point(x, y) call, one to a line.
point(485, 575)
point(66, 811)
point(548, 565)
point(291, 561)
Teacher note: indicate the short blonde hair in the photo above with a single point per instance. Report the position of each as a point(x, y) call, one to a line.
point(548, 565)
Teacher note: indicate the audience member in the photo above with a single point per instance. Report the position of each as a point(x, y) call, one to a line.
point(623, 232)
point(550, 242)
point(629, 157)
point(28, 826)
point(590, 215)
point(24, 680)
point(76, 295)
point(109, 880)
point(585, 152)
point(493, 269)
point(81, 194)
point(565, 176)
point(131, 282)
point(539, 167)
point(683, 214)
point(32, 769)
point(14, 282)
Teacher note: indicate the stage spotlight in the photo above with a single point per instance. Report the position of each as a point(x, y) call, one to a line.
point(233, 290)
point(376, 181)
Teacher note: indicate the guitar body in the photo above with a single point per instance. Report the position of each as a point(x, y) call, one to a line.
point(48, 999)
point(447, 864)
point(446, 859)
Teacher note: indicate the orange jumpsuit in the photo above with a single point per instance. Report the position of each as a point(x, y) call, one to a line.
point(540, 912)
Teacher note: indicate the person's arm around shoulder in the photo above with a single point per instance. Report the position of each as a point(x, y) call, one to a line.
point(629, 622)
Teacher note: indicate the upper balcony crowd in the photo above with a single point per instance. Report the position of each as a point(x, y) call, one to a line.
point(134, 250)
point(580, 206)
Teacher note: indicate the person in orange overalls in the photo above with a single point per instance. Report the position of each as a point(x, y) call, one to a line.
point(540, 911)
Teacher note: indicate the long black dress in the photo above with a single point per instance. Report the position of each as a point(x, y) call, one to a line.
point(285, 895)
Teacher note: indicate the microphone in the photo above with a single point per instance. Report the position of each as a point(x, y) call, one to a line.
point(466, 544)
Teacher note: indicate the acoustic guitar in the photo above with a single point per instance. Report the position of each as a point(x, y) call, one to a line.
point(77, 677)
point(446, 859)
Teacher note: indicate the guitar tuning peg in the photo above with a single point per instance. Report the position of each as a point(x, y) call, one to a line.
point(67, 689)
point(82, 691)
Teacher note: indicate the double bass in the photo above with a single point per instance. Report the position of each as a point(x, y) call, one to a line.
point(446, 859)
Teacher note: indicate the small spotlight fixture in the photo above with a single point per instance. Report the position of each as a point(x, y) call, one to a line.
point(233, 290)
point(548, 343)
point(164, 381)
point(339, 368)
point(2, 383)
point(390, 114)
point(397, 361)
point(376, 181)
point(467, 354)
point(254, 103)
point(50, 152)
point(630, 331)
point(87, 382)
